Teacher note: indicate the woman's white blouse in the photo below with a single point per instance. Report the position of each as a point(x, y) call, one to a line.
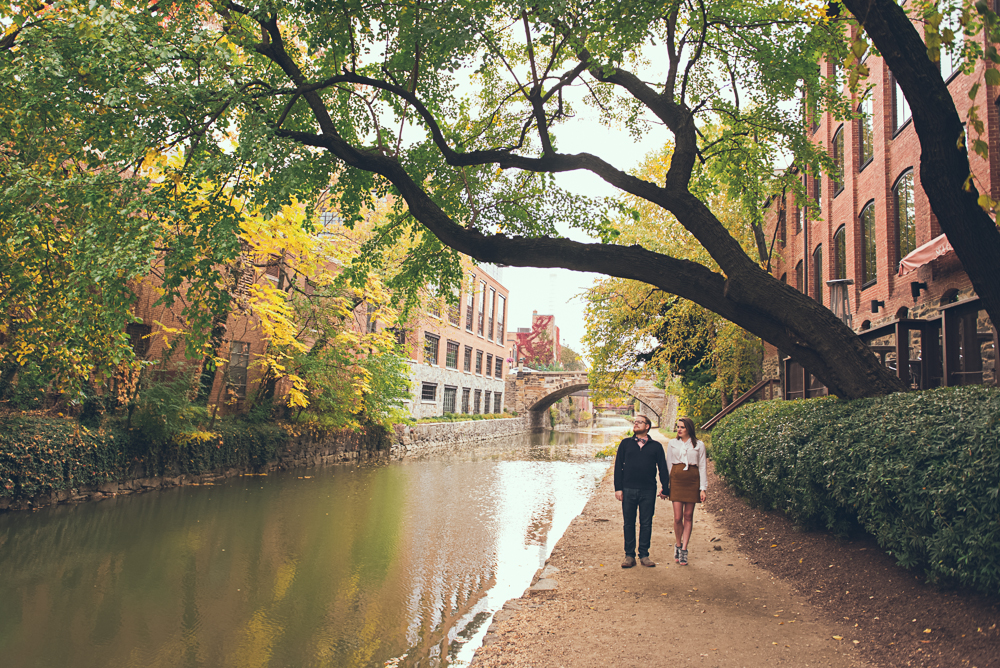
point(681, 452)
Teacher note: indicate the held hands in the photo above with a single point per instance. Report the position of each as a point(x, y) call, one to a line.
point(663, 496)
point(618, 495)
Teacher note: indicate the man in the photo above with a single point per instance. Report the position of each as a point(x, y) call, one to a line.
point(635, 486)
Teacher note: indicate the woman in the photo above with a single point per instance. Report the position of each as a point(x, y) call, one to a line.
point(688, 482)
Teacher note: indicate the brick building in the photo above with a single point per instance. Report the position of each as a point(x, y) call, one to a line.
point(537, 345)
point(157, 336)
point(844, 243)
point(458, 356)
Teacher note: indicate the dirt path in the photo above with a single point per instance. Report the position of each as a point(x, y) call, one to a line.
point(720, 611)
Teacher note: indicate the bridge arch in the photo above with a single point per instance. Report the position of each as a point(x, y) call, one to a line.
point(534, 392)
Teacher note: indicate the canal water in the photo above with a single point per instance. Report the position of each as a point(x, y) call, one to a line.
point(400, 563)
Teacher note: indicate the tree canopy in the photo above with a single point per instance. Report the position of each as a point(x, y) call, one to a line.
point(457, 108)
point(634, 329)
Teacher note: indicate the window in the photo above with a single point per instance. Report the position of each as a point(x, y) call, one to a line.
point(428, 392)
point(498, 369)
point(470, 302)
point(800, 218)
point(490, 314)
point(902, 196)
point(501, 307)
point(482, 308)
point(810, 110)
point(867, 228)
point(866, 142)
point(477, 401)
point(901, 107)
point(273, 266)
point(838, 161)
point(450, 396)
point(400, 335)
point(818, 274)
point(782, 218)
point(798, 276)
point(431, 348)
point(486, 401)
point(465, 399)
point(239, 360)
point(435, 303)
point(840, 253)
point(467, 364)
point(818, 192)
point(451, 355)
point(951, 62)
point(498, 403)
point(489, 364)
point(479, 362)
point(139, 335)
point(455, 309)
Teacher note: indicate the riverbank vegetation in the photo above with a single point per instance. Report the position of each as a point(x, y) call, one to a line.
point(923, 483)
point(41, 455)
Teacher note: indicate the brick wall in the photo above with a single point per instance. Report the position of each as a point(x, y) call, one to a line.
point(896, 151)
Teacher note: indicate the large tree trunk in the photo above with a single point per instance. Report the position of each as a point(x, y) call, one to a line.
point(944, 167)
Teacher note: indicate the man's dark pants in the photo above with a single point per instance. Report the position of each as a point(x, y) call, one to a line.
point(643, 500)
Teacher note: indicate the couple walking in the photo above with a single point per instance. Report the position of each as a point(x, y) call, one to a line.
point(683, 478)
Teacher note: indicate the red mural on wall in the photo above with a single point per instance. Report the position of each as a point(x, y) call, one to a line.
point(541, 344)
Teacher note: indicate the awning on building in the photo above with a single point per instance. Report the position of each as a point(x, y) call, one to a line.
point(931, 250)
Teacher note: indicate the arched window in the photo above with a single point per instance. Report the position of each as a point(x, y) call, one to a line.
point(902, 107)
point(838, 161)
point(818, 274)
point(798, 276)
point(902, 197)
point(840, 253)
point(866, 143)
point(867, 229)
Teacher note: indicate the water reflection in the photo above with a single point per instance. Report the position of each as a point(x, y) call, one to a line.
point(341, 566)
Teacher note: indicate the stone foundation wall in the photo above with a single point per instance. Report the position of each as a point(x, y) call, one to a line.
point(299, 452)
point(422, 437)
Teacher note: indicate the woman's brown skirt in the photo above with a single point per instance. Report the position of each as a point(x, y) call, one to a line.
point(684, 484)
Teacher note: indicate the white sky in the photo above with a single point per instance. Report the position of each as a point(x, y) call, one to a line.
point(556, 291)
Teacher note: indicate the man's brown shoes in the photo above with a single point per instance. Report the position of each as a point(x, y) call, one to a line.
point(646, 561)
point(629, 562)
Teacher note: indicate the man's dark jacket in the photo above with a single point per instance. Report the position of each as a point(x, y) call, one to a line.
point(635, 467)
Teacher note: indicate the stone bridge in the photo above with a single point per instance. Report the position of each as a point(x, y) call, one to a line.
point(533, 392)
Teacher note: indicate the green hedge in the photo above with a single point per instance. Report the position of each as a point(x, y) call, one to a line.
point(920, 471)
point(42, 455)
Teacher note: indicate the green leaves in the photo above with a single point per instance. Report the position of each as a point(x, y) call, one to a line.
point(923, 483)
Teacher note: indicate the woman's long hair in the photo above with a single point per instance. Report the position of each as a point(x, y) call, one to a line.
point(689, 427)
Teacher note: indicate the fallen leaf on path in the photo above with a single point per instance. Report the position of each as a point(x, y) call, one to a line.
point(838, 637)
point(927, 630)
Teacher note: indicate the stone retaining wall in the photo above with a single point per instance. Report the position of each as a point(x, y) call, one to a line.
point(299, 452)
point(420, 437)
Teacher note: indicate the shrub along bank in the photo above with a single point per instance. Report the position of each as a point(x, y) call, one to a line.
point(41, 455)
point(920, 471)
